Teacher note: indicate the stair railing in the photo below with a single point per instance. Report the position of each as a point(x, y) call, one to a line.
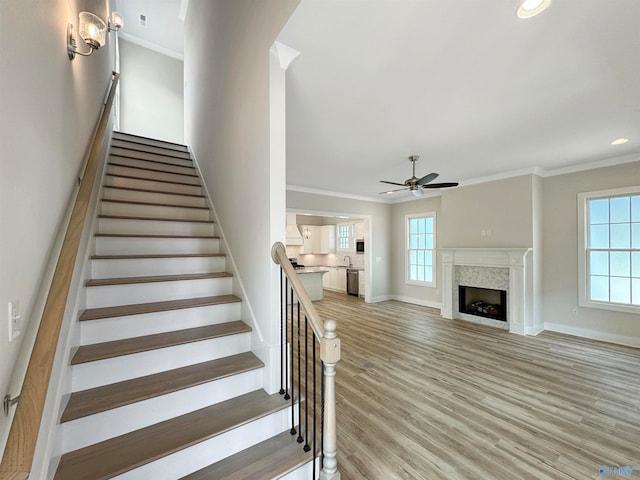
point(299, 361)
point(21, 444)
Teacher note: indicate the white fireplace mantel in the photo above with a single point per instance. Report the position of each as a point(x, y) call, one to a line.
point(520, 293)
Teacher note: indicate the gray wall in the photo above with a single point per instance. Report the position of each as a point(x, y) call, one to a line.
point(380, 242)
point(151, 93)
point(503, 207)
point(560, 260)
point(227, 77)
point(50, 107)
point(430, 296)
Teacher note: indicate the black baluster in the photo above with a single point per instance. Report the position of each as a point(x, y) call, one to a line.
point(293, 426)
point(286, 336)
point(299, 439)
point(306, 447)
point(283, 292)
point(315, 405)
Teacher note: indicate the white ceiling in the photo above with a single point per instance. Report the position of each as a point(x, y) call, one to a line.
point(164, 32)
point(465, 84)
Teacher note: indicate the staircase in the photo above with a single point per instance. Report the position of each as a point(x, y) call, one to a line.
point(164, 383)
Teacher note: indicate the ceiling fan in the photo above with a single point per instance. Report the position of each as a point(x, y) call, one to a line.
point(415, 184)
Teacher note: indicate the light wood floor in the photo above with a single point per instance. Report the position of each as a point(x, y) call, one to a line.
point(421, 397)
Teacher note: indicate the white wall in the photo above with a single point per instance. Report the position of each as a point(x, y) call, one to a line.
point(151, 93)
point(50, 107)
point(227, 105)
point(560, 261)
point(380, 242)
point(429, 296)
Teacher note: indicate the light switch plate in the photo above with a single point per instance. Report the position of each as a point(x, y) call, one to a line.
point(14, 320)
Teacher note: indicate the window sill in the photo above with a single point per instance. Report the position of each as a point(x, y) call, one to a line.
point(616, 307)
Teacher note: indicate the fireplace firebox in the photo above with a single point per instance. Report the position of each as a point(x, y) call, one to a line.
point(483, 302)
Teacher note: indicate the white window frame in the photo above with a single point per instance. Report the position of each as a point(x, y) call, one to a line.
point(351, 241)
point(408, 281)
point(583, 250)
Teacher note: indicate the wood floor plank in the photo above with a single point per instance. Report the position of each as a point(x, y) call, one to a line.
point(152, 307)
point(422, 397)
point(100, 399)
point(120, 454)
point(116, 348)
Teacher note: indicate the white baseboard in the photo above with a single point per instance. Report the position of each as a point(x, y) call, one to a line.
point(417, 301)
point(593, 334)
point(381, 298)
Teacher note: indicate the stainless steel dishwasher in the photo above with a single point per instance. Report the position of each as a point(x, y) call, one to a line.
point(353, 283)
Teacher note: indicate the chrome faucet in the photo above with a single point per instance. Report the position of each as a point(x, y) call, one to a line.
point(347, 256)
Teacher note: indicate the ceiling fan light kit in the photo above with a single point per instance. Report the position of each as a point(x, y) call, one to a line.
point(415, 184)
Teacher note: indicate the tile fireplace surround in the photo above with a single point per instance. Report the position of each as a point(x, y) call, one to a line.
point(507, 269)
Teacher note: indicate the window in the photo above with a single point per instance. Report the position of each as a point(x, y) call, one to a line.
point(421, 244)
point(609, 262)
point(345, 236)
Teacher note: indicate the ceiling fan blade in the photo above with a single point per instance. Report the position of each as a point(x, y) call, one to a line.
point(441, 185)
point(396, 190)
point(392, 183)
point(427, 178)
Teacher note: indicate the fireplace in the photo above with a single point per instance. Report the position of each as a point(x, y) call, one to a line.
point(506, 269)
point(483, 302)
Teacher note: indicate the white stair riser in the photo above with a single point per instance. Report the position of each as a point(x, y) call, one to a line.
point(154, 227)
point(141, 246)
point(113, 295)
point(152, 197)
point(133, 150)
point(119, 328)
point(102, 426)
point(153, 211)
point(111, 370)
point(304, 472)
point(198, 456)
point(152, 175)
point(156, 165)
point(140, 267)
point(152, 185)
point(120, 139)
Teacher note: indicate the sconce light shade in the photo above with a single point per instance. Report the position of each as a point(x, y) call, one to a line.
point(92, 30)
point(116, 22)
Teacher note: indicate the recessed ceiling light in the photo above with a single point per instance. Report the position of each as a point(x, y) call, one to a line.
point(619, 141)
point(531, 8)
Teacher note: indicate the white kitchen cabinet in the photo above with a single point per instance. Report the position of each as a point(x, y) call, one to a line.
point(336, 279)
point(361, 283)
point(328, 239)
point(359, 230)
point(321, 241)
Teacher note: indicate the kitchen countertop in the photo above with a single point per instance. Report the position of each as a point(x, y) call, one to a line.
point(336, 266)
point(312, 270)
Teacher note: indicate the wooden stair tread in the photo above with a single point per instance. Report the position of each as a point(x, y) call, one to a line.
point(267, 460)
point(155, 219)
point(159, 255)
point(153, 204)
point(140, 138)
point(101, 282)
point(161, 192)
point(153, 307)
point(134, 177)
point(100, 399)
point(141, 235)
point(168, 154)
point(126, 452)
point(128, 346)
point(148, 169)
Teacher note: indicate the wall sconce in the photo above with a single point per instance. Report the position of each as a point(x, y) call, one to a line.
point(116, 22)
point(93, 32)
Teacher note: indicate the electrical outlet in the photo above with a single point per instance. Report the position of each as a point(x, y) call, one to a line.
point(14, 320)
point(574, 312)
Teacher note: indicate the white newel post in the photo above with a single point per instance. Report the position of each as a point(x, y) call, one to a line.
point(330, 355)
